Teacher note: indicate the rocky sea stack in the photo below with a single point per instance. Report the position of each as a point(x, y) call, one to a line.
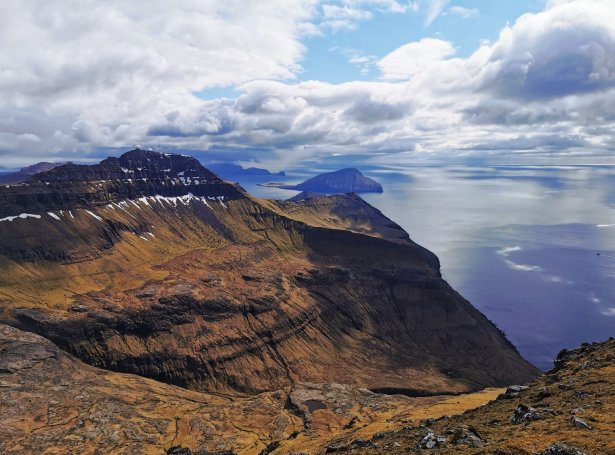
point(348, 180)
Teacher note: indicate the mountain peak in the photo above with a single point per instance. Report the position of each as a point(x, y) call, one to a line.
point(347, 170)
point(136, 173)
point(135, 164)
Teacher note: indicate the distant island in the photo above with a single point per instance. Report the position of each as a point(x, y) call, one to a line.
point(12, 178)
point(347, 180)
point(227, 170)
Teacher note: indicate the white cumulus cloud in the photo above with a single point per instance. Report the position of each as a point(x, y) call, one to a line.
point(87, 76)
point(415, 57)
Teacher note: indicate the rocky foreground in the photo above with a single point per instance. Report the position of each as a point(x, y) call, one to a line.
point(569, 410)
point(52, 403)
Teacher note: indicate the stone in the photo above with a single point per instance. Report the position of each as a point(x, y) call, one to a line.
point(577, 422)
point(562, 449)
point(467, 436)
point(179, 450)
point(360, 443)
point(512, 391)
point(79, 309)
point(524, 413)
point(432, 441)
point(336, 447)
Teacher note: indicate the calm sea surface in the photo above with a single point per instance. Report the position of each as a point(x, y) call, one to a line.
point(532, 247)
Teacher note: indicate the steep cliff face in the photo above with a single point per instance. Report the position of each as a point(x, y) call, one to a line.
point(150, 264)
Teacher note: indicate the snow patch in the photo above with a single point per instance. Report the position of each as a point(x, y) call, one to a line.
point(94, 215)
point(23, 216)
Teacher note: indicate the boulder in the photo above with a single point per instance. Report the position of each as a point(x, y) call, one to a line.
point(577, 422)
point(513, 391)
point(467, 436)
point(431, 441)
point(562, 449)
point(525, 413)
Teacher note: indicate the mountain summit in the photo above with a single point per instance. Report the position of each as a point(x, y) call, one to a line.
point(135, 174)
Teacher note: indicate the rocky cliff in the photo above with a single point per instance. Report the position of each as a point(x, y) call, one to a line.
point(150, 264)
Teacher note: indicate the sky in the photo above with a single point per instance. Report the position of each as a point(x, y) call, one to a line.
point(281, 82)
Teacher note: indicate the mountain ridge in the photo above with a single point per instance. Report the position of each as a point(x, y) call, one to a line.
point(8, 178)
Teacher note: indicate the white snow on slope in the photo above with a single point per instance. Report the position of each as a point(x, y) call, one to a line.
point(22, 216)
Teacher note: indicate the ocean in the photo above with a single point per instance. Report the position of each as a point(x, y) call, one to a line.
point(532, 247)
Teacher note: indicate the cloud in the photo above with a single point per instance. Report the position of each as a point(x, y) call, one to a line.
point(463, 12)
point(28, 137)
point(364, 62)
point(564, 51)
point(544, 87)
point(114, 66)
point(392, 6)
point(346, 14)
point(411, 58)
point(343, 17)
point(434, 9)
